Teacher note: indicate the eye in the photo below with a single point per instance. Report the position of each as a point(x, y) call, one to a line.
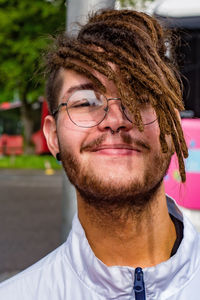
point(85, 98)
point(80, 103)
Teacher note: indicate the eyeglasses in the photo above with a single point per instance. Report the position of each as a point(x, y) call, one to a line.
point(88, 108)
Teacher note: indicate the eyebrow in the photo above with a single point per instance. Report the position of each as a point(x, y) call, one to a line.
point(78, 87)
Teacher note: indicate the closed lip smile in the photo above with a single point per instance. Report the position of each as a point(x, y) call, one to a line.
point(115, 149)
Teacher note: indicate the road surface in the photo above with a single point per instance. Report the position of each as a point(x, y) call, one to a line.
point(30, 217)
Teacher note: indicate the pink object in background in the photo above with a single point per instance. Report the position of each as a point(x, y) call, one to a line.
point(187, 194)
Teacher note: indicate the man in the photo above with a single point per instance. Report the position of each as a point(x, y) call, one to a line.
point(115, 97)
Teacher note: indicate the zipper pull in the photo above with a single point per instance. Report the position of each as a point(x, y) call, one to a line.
point(139, 285)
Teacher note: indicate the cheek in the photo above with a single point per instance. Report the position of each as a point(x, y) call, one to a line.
point(70, 136)
point(153, 136)
point(152, 133)
point(67, 135)
point(68, 141)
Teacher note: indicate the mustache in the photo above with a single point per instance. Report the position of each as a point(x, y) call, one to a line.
point(125, 137)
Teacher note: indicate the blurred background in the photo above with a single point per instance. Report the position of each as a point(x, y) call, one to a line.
point(30, 178)
point(36, 200)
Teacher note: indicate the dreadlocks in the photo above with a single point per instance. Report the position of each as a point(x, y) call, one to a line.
point(136, 44)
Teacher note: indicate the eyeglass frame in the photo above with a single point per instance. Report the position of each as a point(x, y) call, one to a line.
point(106, 109)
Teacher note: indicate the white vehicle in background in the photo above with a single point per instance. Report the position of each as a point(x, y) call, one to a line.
point(183, 17)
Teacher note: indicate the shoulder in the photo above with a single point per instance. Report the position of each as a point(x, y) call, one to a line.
point(37, 281)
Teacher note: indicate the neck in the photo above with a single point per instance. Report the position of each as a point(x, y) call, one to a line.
point(131, 239)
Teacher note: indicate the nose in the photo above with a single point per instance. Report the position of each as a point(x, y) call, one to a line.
point(115, 119)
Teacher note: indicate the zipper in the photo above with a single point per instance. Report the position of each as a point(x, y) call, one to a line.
point(139, 287)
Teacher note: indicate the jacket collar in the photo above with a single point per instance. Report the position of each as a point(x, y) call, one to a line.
point(161, 281)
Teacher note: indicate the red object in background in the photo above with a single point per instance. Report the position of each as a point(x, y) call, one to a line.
point(38, 137)
point(40, 142)
point(9, 105)
point(11, 145)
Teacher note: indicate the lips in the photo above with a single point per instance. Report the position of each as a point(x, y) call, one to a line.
point(126, 143)
point(115, 150)
point(115, 147)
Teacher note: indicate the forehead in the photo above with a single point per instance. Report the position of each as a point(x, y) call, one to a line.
point(71, 79)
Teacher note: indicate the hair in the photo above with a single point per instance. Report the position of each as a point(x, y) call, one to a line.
point(137, 44)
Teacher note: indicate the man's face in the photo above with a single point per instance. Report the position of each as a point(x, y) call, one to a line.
point(107, 168)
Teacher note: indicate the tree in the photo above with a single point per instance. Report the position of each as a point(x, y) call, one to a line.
point(25, 26)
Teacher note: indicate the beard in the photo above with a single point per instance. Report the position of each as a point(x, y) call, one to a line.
point(113, 197)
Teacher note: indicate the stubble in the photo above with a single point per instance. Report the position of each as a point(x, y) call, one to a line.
point(112, 198)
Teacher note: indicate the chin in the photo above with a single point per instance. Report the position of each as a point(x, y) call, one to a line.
point(117, 185)
point(117, 170)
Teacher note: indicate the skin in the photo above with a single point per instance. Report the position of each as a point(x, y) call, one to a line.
point(141, 237)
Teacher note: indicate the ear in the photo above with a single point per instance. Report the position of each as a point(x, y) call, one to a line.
point(50, 132)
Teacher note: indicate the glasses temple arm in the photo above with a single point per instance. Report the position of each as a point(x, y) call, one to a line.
point(58, 108)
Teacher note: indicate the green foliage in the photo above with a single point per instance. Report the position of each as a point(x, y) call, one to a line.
point(125, 3)
point(133, 3)
point(25, 26)
point(29, 162)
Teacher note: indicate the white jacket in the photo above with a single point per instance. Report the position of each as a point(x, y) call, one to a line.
point(72, 272)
